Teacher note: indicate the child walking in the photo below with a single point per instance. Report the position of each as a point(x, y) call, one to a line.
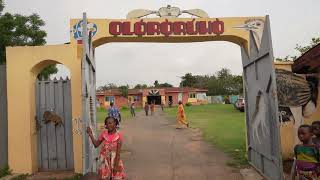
point(152, 108)
point(306, 154)
point(110, 167)
point(146, 108)
point(133, 114)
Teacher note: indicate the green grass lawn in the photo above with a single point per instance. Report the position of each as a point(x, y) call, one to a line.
point(222, 125)
point(125, 114)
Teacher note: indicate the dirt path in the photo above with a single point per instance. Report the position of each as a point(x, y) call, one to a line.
point(155, 150)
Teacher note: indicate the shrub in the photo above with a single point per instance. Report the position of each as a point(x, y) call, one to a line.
point(124, 108)
point(5, 171)
point(188, 104)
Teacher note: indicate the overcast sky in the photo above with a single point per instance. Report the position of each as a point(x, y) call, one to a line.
point(292, 22)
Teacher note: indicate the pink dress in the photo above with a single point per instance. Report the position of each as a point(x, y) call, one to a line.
point(107, 156)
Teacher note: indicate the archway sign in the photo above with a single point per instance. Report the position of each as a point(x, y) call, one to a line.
point(252, 34)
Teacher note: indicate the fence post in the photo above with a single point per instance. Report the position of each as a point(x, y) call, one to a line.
point(3, 118)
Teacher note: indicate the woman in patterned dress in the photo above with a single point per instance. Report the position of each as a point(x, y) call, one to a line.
point(110, 166)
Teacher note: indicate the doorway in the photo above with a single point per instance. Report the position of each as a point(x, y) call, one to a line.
point(155, 99)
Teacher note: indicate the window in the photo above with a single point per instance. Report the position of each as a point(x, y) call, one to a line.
point(109, 98)
point(192, 95)
point(136, 98)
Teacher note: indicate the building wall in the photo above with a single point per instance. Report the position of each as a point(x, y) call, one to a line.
point(23, 65)
point(283, 65)
point(185, 97)
point(120, 101)
point(287, 131)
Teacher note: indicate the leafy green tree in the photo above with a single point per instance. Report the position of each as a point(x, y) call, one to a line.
point(188, 80)
point(156, 83)
point(124, 91)
point(138, 86)
point(19, 30)
point(165, 85)
point(304, 49)
point(1, 6)
point(301, 50)
point(107, 87)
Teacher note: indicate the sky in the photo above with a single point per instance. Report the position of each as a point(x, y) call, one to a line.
point(292, 22)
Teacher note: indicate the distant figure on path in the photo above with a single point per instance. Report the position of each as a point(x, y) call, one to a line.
point(146, 108)
point(152, 108)
point(181, 116)
point(162, 106)
point(115, 113)
point(110, 165)
point(133, 114)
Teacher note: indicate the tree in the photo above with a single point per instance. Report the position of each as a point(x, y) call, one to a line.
point(301, 49)
point(202, 81)
point(124, 91)
point(138, 86)
point(156, 83)
point(1, 6)
point(188, 80)
point(224, 83)
point(19, 30)
point(107, 87)
point(304, 49)
point(165, 85)
point(46, 72)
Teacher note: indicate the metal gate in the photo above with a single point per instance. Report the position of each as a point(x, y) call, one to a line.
point(54, 125)
point(262, 121)
point(88, 73)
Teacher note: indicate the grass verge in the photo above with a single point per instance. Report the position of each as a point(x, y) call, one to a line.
point(222, 126)
point(125, 114)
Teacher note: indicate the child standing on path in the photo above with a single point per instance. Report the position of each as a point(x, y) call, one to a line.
point(133, 114)
point(109, 165)
point(146, 108)
point(152, 108)
point(306, 154)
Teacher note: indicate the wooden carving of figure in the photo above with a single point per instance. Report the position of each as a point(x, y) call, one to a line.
point(49, 116)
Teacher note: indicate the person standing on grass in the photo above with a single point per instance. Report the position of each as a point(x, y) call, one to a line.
point(152, 108)
point(133, 114)
point(114, 113)
point(146, 108)
point(181, 116)
point(110, 165)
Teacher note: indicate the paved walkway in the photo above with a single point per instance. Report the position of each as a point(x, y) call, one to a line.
point(155, 150)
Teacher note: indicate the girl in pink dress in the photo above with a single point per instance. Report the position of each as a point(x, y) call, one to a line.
point(110, 165)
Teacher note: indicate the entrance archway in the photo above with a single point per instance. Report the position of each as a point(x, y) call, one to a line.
point(252, 34)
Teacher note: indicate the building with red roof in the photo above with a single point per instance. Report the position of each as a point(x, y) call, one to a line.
point(157, 95)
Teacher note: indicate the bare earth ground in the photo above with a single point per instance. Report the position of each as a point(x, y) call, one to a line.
point(155, 150)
